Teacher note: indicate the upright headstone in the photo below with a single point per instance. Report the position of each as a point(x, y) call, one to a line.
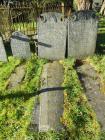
point(3, 55)
point(20, 45)
point(52, 34)
point(51, 100)
point(82, 34)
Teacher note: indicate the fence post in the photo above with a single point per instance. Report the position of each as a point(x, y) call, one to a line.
point(9, 21)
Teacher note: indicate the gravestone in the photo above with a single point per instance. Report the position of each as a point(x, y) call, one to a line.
point(20, 45)
point(3, 55)
point(52, 34)
point(51, 100)
point(82, 34)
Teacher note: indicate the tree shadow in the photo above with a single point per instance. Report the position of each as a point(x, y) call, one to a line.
point(26, 96)
point(100, 49)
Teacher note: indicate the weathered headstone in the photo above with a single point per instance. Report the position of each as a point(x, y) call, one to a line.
point(20, 45)
point(3, 55)
point(52, 34)
point(51, 100)
point(82, 34)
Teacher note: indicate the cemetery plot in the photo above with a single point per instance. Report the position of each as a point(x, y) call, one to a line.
point(52, 34)
point(51, 102)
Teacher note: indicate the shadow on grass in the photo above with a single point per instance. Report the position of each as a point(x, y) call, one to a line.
point(100, 49)
point(26, 96)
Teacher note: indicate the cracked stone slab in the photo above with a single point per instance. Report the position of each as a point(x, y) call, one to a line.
point(91, 83)
point(34, 124)
point(51, 102)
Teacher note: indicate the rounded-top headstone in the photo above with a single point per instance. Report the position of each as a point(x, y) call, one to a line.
point(20, 45)
point(82, 34)
point(52, 34)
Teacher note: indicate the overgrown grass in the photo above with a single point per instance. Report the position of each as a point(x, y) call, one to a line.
point(16, 105)
point(6, 69)
point(98, 60)
point(78, 116)
point(24, 27)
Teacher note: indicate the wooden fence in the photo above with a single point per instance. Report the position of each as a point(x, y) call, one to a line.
point(22, 16)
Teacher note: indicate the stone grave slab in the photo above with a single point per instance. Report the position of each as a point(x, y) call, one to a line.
point(51, 101)
point(52, 34)
point(82, 34)
point(3, 55)
point(34, 124)
point(20, 45)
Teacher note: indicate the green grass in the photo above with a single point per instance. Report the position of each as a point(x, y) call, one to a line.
point(6, 69)
point(24, 27)
point(98, 60)
point(78, 116)
point(16, 105)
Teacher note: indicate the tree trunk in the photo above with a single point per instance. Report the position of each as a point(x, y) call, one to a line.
point(85, 4)
point(68, 7)
point(102, 11)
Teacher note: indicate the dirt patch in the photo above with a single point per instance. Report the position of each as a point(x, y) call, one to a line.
point(92, 87)
point(16, 77)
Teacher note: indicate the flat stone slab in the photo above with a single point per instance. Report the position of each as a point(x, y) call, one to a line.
point(82, 34)
point(91, 83)
point(20, 45)
point(34, 124)
point(51, 101)
point(3, 55)
point(52, 35)
point(16, 77)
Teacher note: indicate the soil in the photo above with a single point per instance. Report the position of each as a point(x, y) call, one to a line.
point(91, 83)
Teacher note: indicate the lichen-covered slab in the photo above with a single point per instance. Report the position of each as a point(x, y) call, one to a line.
point(3, 55)
point(52, 34)
point(51, 102)
point(82, 34)
point(20, 45)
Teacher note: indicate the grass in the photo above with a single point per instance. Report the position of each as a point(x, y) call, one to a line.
point(24, 27)
point(98, 60)
point(6, 69)
point(16, 105)
point(78, 116)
